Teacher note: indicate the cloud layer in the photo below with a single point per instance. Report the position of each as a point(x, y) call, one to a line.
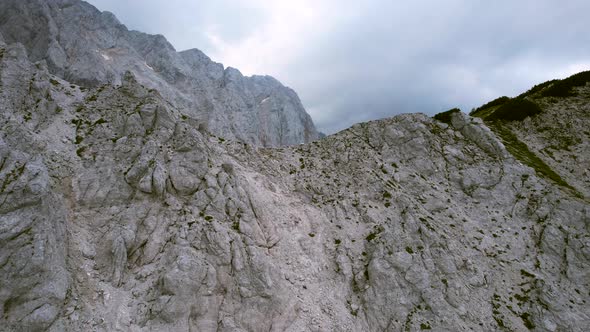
point(353, 61)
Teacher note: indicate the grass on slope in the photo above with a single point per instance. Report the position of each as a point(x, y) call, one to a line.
point(507, 109)
point(500, 111)
point(490, 105)
point(504, 109)
point(521, 152)
point(497, 112)
point(516, 109)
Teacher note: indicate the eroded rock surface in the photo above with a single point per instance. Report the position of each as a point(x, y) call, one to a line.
point(118, 212)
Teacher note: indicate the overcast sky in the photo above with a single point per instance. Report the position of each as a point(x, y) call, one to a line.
point(353, 61)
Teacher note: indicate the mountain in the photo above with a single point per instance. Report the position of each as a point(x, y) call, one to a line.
point(121, 212)
point(87, 47)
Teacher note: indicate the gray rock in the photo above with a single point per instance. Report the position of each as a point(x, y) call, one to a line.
point(34, 279)
point(118, 214)
point(91, 48)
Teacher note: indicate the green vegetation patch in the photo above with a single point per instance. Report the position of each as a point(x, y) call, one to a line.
point(446, 116)
point(537, 88)
point(526, 320)
point(496, 102)
point(516, 109)
point(80, 151)
point(373, 235)
point(563, 88)
point(526, 274)
point(425, 326)
point(12, 176)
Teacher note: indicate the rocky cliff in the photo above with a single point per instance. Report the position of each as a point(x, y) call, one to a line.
point(121, 212)
point(87, 47)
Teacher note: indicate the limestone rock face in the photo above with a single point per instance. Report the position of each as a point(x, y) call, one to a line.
point(118, 212)
point(91, 48)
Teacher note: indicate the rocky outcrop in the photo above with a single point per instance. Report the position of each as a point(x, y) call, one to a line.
point(87, 47)
point(34, 278)
point(120, 213)
point(560, 138)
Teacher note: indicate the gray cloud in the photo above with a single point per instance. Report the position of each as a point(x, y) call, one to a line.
point(372, 59)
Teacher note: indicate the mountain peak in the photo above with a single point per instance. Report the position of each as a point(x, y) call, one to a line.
point(91, 48)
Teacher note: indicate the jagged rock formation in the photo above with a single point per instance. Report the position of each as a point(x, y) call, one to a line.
point(91, 48)
point(118, 212)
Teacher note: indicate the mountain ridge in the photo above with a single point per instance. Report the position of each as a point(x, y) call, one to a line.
point(91, 48)
point(118, 212)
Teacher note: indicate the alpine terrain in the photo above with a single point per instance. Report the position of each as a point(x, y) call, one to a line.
point(144, 189)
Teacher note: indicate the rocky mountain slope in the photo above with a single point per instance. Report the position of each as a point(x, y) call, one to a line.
point(120, 212)
point(557, 136)
point(91, 48)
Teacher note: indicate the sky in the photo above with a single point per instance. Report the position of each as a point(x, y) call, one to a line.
point(352, 61)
